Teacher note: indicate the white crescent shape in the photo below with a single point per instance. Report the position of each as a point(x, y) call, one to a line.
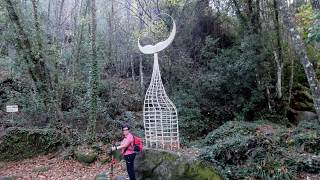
point(151, 49)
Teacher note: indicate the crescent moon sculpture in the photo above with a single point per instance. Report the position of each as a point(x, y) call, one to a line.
point(160, 115)
point(151, 49)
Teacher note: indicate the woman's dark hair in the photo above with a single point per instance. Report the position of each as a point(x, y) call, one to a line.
point(125, 126)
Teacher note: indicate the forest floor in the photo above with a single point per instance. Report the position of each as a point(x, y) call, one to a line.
point(46, 167)
point(50, 167)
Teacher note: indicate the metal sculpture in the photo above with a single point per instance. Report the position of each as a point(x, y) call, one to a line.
point(159, 113)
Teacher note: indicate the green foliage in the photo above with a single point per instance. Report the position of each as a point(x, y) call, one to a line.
point(235, 128)
point(230, 85)
point(19, 92)
point(209, 49)
point(262, 150)
point(305, 19)
point(306, 137)
point(174, 2)
point(314, 30)
point(20, 143)
point(199, 172)
point(268, 168)
point(191, 122)
point(158, 29)
point(301, 98)
point(309, 27)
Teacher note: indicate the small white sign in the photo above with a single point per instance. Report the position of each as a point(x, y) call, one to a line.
point(12, 108)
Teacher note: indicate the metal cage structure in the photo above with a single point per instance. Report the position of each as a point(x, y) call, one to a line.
point(159, 113)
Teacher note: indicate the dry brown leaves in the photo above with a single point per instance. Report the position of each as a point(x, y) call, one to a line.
point(43, 167)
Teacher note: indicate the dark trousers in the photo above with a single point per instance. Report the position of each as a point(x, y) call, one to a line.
point(130, 165)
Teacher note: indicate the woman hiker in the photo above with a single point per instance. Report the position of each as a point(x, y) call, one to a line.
point(127, 150)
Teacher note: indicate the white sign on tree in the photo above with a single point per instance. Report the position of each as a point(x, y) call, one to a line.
point(12, 108)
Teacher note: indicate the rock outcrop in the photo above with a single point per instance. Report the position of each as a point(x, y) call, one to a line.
point(165, 165)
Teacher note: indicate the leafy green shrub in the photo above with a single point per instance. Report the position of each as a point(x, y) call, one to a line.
point(262, 150)
point(191, 123)
point(234, 83)
point(306, 137)
point(236, 128)
point(256, 157)
point(19, 143)
point(314, 30)
point(269, 168)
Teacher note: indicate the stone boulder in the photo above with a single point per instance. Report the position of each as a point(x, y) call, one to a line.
point(19, 143)
point(296, 116)
point(85, 154)
point(105, 176)
point(165, 165)
point(305, 115)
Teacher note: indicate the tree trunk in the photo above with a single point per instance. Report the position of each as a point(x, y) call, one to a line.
point(36, 23)
point(300, 50)
point(48, 16)
point(58, 26)
point(250, 13)
point(291, 80)
point(79, 40)
point(4, 45)
point(243, 19)
point(315, 5)
point(37, 68)
point(269, 99)
point(279, 64)
point(132, 68)
point(110, 38)
point(257, 16)
point(141, 74)
point(74, 43)
point(278, 50)
point(91, 128)
point(141, 23)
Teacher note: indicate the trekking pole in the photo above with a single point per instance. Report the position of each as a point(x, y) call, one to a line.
point(112, 163)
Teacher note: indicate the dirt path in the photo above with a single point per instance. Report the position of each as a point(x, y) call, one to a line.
point(43, 167)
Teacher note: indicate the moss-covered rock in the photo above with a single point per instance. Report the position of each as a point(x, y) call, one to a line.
point(20, 143)
point(85, 154)
point(199, 171)
point(104, 176)
point(8, 178)
point(157, 164)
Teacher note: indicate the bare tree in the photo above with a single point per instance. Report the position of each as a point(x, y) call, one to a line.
point(315, 5)
point(278, 50)
point(91, 128)
point(79, 37)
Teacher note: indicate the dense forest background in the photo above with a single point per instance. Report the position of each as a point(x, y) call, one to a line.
point(74, 65)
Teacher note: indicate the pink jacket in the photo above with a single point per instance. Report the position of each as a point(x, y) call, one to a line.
point(128, 139)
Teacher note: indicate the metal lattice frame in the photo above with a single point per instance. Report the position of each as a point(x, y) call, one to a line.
point(160, 114)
